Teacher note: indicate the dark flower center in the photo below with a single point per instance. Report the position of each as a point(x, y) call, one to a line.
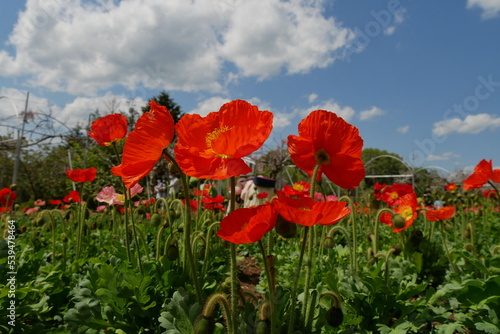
point(322, 157)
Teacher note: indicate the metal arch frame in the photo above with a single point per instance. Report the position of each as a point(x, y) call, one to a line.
point(410, 169)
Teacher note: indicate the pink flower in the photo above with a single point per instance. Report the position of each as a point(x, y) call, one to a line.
point(100, 208)
point(110, 196)
point(319, 197)
point(39, 202)
point(31, 210)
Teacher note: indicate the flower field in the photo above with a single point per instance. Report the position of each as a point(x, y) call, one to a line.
point(297, 259)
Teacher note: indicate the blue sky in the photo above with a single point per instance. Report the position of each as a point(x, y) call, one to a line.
point(419, 78)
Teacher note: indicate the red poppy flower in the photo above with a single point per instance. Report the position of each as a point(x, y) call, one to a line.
point(213, 203)
point(440, 214)
point(490, 193)
point(212, 147)
point(392, 194)
point(153, 132)
point(483, 172)
point(72, 197)
point(306, 211)
point(82, 175)
point(378, 190)
point(262, 195)
point(300, 188)
point(7, 197)
point(247, 225)
point(109, 129)
point(407, 209)
point(328, 140)
point(55, 201)
point(450, 187)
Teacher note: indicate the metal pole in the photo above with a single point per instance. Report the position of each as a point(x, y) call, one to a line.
point(71, 167)
point(19, 141)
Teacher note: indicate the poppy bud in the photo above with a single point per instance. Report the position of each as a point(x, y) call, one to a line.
point(13, 187)
point(64, 237)
point(467, 234)
point(397, 249)
point(226, 286)
point(447, 227)
point(204, 325)
point(334, 316)
point(263, 327)
point(285, 228)
point(173, 251)
point(398, 221)
point(328, 242)
point(155, 219)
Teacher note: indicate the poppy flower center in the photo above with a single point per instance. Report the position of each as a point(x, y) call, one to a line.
point(322, 157)
point(214, 135)
point(407, 213)
point(394, 195)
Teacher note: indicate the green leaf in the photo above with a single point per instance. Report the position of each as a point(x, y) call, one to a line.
point(487, 327)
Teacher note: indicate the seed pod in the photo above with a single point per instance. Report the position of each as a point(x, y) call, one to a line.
point(204, 325)
point(334, 316)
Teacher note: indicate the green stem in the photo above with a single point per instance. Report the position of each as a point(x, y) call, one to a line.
point(234, 288)
point(445, 244)
point(234, 280)
point(272, 294)
point(376, 227)
point(128, 207)
point(293, 297)
point(187, 228)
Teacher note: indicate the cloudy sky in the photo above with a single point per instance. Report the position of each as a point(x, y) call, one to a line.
point(418, 78)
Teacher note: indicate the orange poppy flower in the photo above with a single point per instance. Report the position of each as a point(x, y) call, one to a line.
point(450, 187)
point(247, 225)
point(82, 175)
point(440, 214)
point(328, 140)
point(300, 188)
point(143, 148)
point(407, 209)
point(109, 129)
point(308, 212)
point(212, 147)
point(483, 172)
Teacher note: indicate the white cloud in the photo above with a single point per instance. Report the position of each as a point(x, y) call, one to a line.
point(490, 8)
point(347, 113)
point(399, 18)
point(443, 157)
point(470, 124)
point(370, 113)
point(209, 105)
point(83, 47)
point(281, 120)
point(312, 97)
point(403, 129)
point(61, 118)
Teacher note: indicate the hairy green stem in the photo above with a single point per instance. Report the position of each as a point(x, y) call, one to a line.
point(272, 294)
point(187, 228)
